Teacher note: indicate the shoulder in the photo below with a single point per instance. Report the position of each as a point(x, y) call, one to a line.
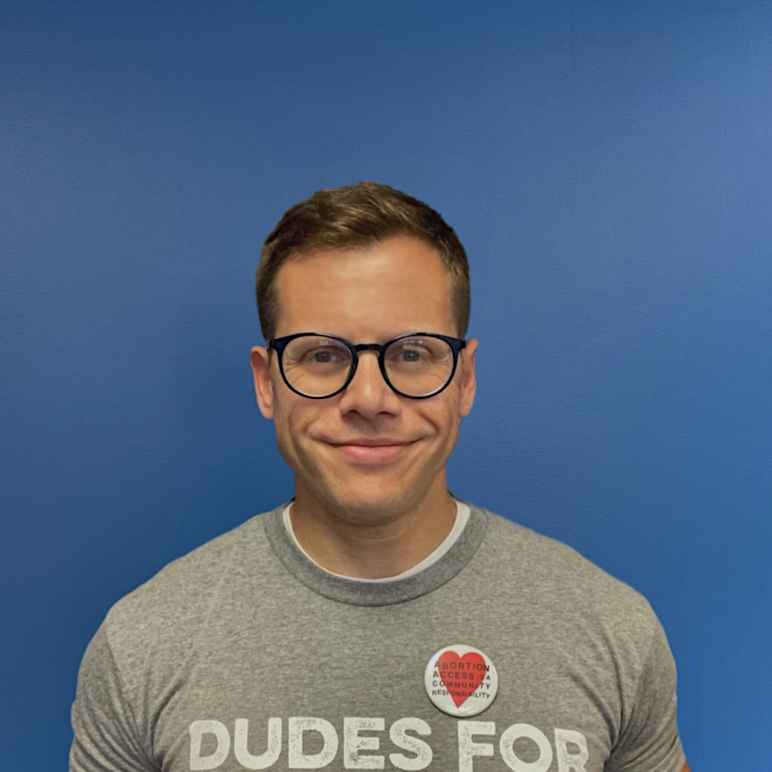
point(163, 614)
point(179, 582)
point(560, 578)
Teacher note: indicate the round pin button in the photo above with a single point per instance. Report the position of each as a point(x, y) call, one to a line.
point(461, 680)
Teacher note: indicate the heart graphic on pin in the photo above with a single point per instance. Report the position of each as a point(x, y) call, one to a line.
point(461, 680)
point(461, 675)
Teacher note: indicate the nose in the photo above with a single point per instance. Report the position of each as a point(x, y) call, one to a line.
point(368, 393)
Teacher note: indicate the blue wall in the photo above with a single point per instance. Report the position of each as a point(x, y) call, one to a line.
point(607, 166)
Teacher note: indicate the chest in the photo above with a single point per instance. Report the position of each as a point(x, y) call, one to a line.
point(384, 696)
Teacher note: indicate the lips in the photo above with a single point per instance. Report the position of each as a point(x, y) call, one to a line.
point(370, 443)
point(372, 455)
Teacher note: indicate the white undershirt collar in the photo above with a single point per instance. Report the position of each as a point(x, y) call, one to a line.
point(462, 517)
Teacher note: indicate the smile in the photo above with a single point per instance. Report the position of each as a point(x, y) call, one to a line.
point(372, 455)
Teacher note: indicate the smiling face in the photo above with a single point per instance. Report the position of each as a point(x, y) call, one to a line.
point(366, 294)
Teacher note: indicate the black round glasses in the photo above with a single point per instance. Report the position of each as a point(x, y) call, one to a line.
point(417, 365)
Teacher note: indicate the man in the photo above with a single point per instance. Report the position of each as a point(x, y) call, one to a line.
point(374, 620)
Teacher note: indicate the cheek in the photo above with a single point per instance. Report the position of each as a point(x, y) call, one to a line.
point(296, 425)
point(444, 428)
point(285, 445)
point(444, 415)
point(288, 422)
point(451, 422)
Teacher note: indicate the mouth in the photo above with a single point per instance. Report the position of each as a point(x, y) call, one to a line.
point(372, 455)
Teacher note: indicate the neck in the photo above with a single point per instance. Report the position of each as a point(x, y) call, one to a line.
point(368, 545)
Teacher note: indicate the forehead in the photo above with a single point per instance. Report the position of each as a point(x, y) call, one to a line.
point(374, 292)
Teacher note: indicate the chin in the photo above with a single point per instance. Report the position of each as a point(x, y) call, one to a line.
point(366, 503)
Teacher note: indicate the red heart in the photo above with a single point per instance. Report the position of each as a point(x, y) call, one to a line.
point(461, 675)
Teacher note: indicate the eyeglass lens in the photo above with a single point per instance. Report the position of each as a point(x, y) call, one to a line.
point(318, 366)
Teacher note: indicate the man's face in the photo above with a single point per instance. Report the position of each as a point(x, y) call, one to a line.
point(369, 294)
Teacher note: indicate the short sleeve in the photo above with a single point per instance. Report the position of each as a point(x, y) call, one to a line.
point(105, 736)
point(649, 742)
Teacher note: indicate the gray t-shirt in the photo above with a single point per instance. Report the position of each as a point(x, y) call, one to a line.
point(246, 655)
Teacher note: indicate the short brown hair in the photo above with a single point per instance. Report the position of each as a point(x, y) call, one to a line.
point(358, 215)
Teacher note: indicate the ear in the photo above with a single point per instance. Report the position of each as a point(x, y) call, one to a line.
point(260, 363)
point(468, 380)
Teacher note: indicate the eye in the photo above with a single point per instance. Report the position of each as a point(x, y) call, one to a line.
point(418, 351)
point(324, 355)
point(411, 352)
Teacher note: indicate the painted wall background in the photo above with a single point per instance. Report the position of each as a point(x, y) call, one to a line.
point(607, 166)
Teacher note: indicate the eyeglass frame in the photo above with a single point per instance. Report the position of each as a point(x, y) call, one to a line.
point(279, 344)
